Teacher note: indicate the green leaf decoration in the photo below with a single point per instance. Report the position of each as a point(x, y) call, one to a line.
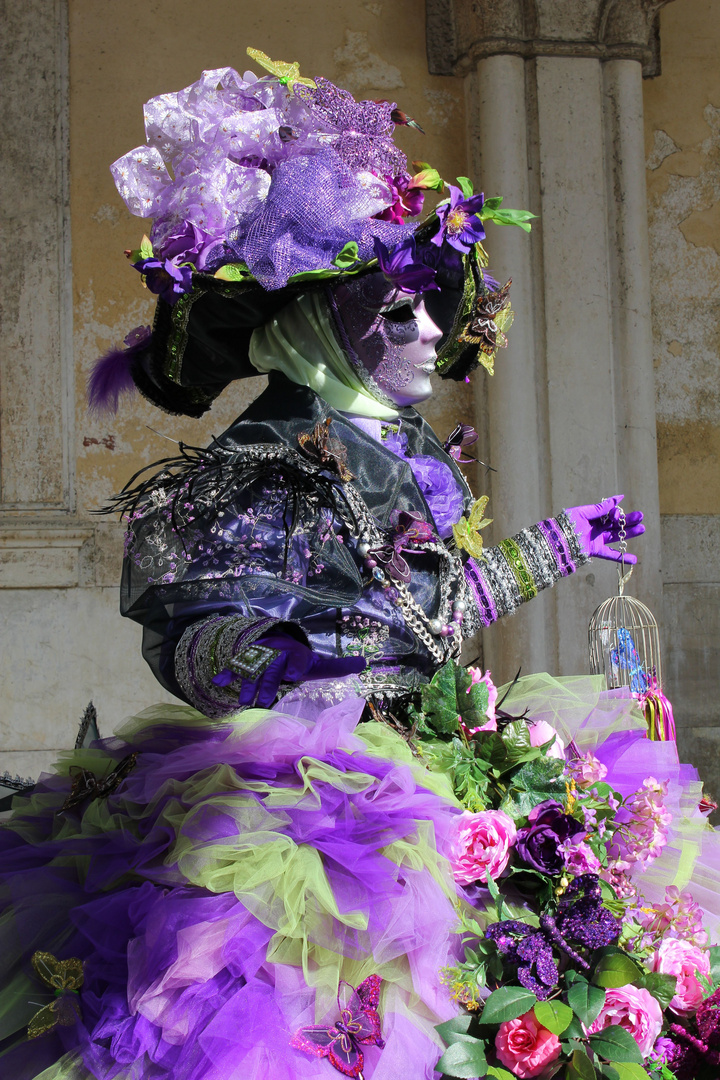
point(491, 205)
point(464, 1059)
point(426, 177)
point(615, 969)
point(451, 1029)
point(507, 1003)
point(715, 964)
point(625, 1070)
point(472, 698)
point(533, 783)
point(506, 216)
point(466, 186)
point(585, 1000)
point(233, 272)
point(146, 248)
point(500, 1074)
point(439, 700)
point(662, 987)
point(580, 1067)
point(347, 256)
point(553, 1015)
point(616, 1044)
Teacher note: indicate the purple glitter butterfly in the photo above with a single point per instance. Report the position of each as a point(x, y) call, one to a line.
point(359, 1023)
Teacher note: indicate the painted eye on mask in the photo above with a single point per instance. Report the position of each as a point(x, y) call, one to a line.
point(403, 313)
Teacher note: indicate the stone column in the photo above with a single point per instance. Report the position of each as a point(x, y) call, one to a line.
point(554, 93)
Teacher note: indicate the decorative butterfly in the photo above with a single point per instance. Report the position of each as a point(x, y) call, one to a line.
point(284, 72)
point(462, 435)
point(324, 451)
point(409, 528)
point(359, 1025)
point(491, 316)
point(625, 659)
point(389, 557)
point(85, 784)
point(467, 531)
point(64, 977)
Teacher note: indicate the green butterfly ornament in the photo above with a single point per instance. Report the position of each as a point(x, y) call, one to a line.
point(467, 530)
point(64, 977)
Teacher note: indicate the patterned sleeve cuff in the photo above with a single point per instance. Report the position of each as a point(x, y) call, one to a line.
point(517, 569)
point(221, 643)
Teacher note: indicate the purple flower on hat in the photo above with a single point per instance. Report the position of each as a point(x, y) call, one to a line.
point(540, 844)
point(166, 280)
point(459, 224)
point(185, 243)
point(407, 200)
point(402, 268)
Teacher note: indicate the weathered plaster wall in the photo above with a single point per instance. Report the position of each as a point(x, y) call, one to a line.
point(60, 637)
point(682, 125)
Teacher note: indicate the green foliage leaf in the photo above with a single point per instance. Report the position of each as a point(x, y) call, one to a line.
point(662, 987)
point(500, 1074)
point(625, 1070)
point(451, 1029)
point(580, 1067)
point(146, 248)
point(347, 256)
point(553, 1015)
point(426, 177)
point(439, 700)
point(616, 1044)
point(507, 1003)
point(472, 698)
point(491, 205)
point(233, 272)
point(616, 969)
point(506, 216)
point(585, 1000)
point(715, 964)
point(465, 1058)
point(465, 185)
point(533, 783)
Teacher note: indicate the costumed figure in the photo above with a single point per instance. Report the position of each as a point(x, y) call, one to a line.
point(342, 853)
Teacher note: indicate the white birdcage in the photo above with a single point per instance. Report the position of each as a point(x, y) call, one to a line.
point(624, 646)
point(624, 643)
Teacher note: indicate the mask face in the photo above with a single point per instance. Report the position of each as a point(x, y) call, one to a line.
point(390, 334)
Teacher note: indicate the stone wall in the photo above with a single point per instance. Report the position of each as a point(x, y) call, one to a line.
point(682, 127)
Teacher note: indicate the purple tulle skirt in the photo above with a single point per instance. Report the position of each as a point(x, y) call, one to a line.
point(224, 891)
point(245, 873)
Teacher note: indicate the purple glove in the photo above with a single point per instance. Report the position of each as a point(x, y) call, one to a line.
point(296, 663)
point(598, 525)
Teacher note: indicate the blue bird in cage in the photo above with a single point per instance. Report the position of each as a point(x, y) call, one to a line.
point(625, 657)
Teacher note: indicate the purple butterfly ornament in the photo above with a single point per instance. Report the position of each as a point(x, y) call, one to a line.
point(359, 1025)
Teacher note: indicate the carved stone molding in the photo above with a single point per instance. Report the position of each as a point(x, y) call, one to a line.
point(461, 32)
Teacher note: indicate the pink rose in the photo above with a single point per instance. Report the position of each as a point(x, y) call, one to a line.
point(634, 1009)
point(542, 732)
point(481, 845)
point(680, 958)
point(526, 1047)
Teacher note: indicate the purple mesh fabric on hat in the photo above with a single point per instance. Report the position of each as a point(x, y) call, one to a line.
point(314, 206)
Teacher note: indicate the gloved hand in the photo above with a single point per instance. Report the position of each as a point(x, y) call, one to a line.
point(296, 663)
point(598, 525)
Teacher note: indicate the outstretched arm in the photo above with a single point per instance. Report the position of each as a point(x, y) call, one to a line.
point(515, 570)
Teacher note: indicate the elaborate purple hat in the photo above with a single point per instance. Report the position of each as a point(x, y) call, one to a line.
point(260, 188)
